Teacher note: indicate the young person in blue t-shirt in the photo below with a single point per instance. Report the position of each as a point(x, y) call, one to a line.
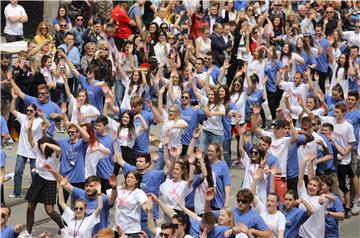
point(8, 231)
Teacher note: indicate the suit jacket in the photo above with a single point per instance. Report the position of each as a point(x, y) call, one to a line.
point(218, 46)
point(218, 19)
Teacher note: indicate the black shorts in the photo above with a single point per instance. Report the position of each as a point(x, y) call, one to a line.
point(42, 191)
point(345, 174)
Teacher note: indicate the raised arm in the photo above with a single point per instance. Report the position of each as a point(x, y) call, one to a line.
point(117, 154)
point(195, 136)
point(69, 63)
point(16, 88)
point(167, 210)
point(160, 100)
point(308, 157)
point(157, 115)
point(294, 133)
point(61, 197)
point(150, 217)
point(99, 199)
point(12, 105)
point(254, 121)
point(113, 184)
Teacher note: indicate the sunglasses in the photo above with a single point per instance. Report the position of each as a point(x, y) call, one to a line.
point(184, 97)
point(162, 234)
point(89, 72)
point(171, 38)
point(3, 215)
point(164, 28)
point(44, 28)
point(78, 208)
point(79, 19)
point(329, 12)
point(105, 49)
point(41, 94)
point(208, 58)
point(254, 152)
point(243, 201)
point(236, 85)
point(29, 110)
point(63, 25)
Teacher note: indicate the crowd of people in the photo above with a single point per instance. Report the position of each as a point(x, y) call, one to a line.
point(105, 72)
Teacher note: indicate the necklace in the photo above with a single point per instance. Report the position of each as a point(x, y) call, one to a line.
point(76, 231)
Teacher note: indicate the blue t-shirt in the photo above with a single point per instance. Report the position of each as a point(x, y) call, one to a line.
point(7, 232)
point(294, 219)
point(56, 20)
point(72, 162)
point(329, 165)
point(142, 142)
point(189, 200)
point(92, 204)
point(331, 223)
point(331, 102)
point(322, 60)
point(270, 71)
point(214, 74)
point(353, 118)
point(48, 108)
point(95, 93)
point(216, 232)
point(226, 121)
point(150, 183)
point(192, 117)
point(255, 97)
point(309, 60)
point(292, 167)
point(105, 167)
point(251, 219)
point(223, 179)
point(3, 127)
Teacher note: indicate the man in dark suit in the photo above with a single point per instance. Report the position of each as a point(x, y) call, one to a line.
point(212, 16)
point(218, 44)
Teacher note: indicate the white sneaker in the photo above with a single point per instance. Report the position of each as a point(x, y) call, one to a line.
point(25, 234)
point(355, 209)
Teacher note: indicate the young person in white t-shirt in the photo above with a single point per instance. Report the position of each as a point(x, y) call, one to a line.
point(94, 152)
point(213, 130)
point(78, 224)
point(128, 203)
point(24, 151)
point(315, 224)
point(344, 134)
point(80, 109)
point(273, 218)
point(179, 186)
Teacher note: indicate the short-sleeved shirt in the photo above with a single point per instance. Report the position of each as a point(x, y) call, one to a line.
point(95, 93)
point(216, 232)
point(171, 191)
point(122, 23)
point(79, 228)
point(223, 179)
point(92, 204)
point(294, 219)
point(48, 108)
point(331, 223)
point(251, 219)
point(276, 222)
point(7, 231)
point(14, 28)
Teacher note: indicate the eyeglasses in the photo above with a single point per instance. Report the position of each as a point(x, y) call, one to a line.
point(41, 94)
point(243, 201)
point(254, 152)
point(3, 215)
point(63, 25)
point(29, 110)
point(357, 26)
point(162, 234)
point(78, 208)
point(184, 97)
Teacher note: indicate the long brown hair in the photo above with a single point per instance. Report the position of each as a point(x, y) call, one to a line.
point(91, 132)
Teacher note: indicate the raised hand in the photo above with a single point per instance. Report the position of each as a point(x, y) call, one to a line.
point(196, 133)
point(259, 173)
point(288, 117)
point(256, 109)
point(113, 181)
point(149, 103)
point(299, 99)
point(63, 181)
point(210, 194)
point(316, 77)
point(174, 152)
point(167, 137)
point(154, 154)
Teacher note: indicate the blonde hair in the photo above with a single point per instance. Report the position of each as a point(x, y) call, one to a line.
point(38, 30)
point(230, 214)
point(177, 111)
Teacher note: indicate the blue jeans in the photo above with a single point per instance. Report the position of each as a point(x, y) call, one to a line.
point(208, 138)
point(19, 171)
point(119, 92)
point(144, 227)
point(227, 151)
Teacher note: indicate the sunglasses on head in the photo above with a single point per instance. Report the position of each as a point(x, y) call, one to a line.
point(78, 208)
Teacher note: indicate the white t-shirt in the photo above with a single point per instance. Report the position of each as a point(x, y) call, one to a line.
point(128, 209)
point(53, 161)
point(202, 77)
point(124, 139)
point(15, 28)
point(213, 124)
point(172, 191)
point(125, 104)
point(250, 170)
point(92, 159)
point(256, 67)
point(84, 109)
point(275, 221)
point(344, 134)
point(79, 228)
point(199, 201)
point(280, 149)
point(310, 147)
point(338, 78)
point(296, 110)
point(240, 103)
point(302, 89)
point(24, 148)
point(314, 226)
point(205, 46)
point(175, 133)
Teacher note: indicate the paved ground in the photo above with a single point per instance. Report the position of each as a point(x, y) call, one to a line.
point(348, 228)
